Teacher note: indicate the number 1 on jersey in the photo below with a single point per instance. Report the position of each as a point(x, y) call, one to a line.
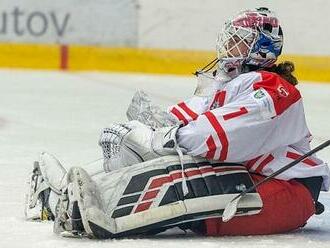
point(232, 115)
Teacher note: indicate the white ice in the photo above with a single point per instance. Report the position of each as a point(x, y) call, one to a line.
point(63, 113)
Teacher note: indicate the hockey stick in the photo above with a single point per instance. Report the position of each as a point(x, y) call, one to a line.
point(231, 208)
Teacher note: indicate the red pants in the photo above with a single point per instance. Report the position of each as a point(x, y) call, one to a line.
point(287, 205)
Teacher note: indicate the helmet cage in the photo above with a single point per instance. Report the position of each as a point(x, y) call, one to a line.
point(235, 41)
point(234, 46)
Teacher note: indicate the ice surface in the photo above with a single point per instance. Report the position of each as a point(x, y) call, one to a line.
point(63, 113)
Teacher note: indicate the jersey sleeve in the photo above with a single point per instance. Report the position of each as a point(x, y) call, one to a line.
point(252, 125)
point(190, 109)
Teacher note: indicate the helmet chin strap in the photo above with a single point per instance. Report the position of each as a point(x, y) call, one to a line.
point(207, 68)
point(224, 68)
point(221, 69)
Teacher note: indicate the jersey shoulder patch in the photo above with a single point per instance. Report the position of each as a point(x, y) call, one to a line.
point(283, 93)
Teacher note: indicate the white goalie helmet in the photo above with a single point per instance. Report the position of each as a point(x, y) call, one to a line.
point(253, 38)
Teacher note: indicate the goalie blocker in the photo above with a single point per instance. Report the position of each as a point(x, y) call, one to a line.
point(148, 197)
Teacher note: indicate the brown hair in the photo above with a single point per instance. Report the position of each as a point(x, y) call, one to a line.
point(285, 70)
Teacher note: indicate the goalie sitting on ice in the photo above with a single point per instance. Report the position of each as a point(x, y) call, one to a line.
point(181, 168)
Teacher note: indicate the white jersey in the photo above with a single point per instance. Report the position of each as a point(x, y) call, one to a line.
point(257, 119)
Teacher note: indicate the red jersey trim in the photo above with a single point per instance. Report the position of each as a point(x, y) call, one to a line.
point(282, 92)
point(306, 161)
point(241, 111)
point(219, 97)
point(211, 146)
point(252, 162)
point(264, 163)
point(179, 115)
point(221, 134)
point(189, 112)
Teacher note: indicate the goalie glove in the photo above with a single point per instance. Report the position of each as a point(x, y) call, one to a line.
point(134, 142)
point(143, 110)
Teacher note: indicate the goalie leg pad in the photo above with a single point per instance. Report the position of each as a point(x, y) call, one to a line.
point(80, 203)
point(43, 188)
point(148, 196)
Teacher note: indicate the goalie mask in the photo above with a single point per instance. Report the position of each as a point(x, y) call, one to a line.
point(253, 38)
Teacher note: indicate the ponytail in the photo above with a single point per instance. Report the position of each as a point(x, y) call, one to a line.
point(285, 70)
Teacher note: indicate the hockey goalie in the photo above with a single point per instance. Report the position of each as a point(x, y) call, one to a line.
point(181, 167)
